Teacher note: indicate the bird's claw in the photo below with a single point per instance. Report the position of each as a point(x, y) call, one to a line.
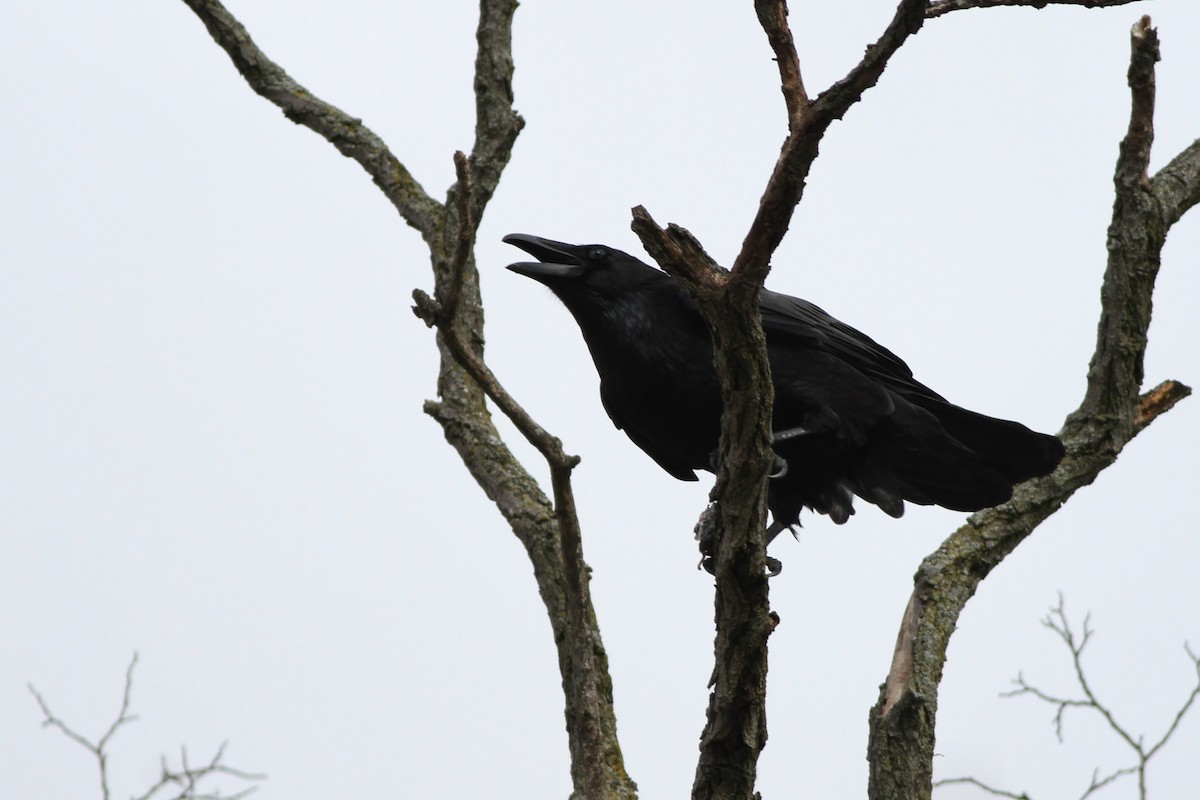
point(778, 469)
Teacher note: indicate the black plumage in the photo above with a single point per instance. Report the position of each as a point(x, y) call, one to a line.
point(856, 421)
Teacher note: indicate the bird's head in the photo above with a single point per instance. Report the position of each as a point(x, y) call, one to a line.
point(582, 273)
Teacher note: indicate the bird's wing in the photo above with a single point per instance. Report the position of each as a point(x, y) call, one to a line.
point(645, 437)
point(799, 319)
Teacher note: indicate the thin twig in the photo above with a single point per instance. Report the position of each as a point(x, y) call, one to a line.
point(1183, 710)
point(981, 785)
point(546, 443)
point(1058, 622)
point(1061, 703)
point(123, 717)
point(1097, 783)
point(98, 748)
point(187, 778)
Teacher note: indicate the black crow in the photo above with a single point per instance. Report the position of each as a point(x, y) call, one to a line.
point(850, 418)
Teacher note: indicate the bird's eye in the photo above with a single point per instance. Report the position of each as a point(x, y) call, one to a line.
point(597, 254)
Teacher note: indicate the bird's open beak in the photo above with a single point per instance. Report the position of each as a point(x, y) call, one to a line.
point(554, 259)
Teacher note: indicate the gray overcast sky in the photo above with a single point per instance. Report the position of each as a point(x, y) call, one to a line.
point(213, 449)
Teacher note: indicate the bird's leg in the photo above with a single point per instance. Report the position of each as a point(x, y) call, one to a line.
point(774, 565)
point(776, 528)
point(789, 433)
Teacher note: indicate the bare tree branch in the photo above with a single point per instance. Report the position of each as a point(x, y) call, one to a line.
point(1097, 783)
point(444, 316)
point(1135, 240)
point(939, 7)
point(497, 124)
point(1183, 710)
point(549, 530)
point(807, 125)
point(1177, 185)
point(348, 134)
point(99, 747)
point(187, 778)
point(594, 739)
point(1058, 622)
point(772, 15)
point(1112, 412)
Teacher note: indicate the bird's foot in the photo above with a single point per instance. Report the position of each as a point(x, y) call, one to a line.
point(706, 535)
point(780, 467)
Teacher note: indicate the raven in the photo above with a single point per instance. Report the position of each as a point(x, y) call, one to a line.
point(850, 418)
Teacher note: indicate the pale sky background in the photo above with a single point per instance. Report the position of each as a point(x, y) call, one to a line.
point(213, 450)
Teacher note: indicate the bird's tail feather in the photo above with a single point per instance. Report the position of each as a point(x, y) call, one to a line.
point(941, 454)
point(1010, 448)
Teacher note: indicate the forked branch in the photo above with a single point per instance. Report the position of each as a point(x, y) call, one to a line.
point(1058, 622)
point(348, 134)
point(807, 124)
point(549, 530)
point(185, 780)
